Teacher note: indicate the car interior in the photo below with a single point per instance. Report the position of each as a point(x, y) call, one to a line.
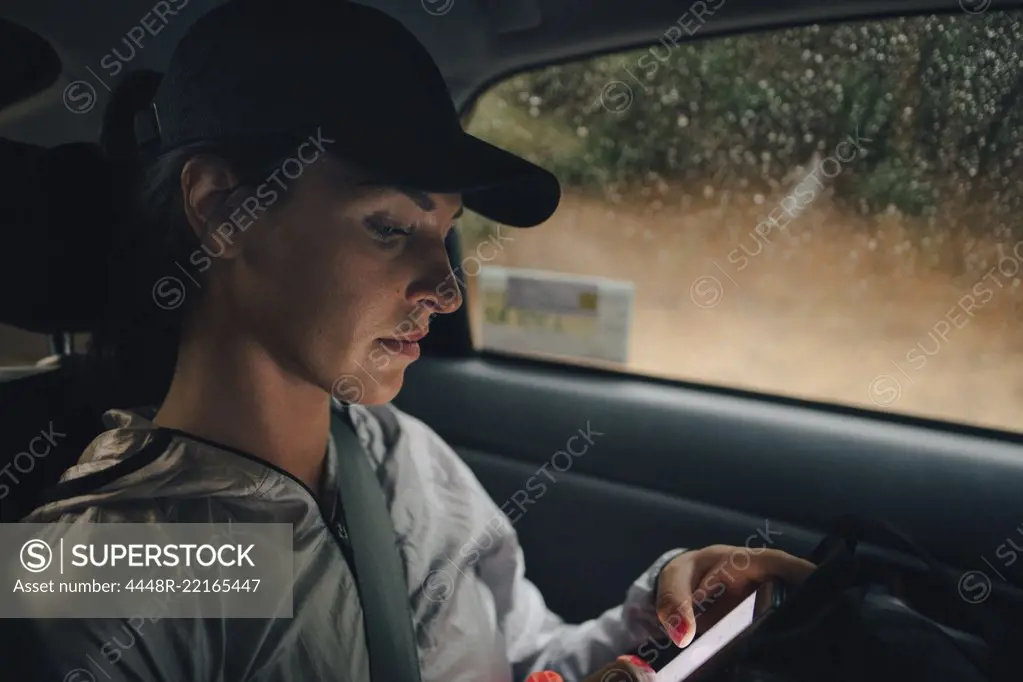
point(709, 453)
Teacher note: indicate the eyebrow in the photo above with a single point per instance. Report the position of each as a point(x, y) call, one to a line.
point(422, 199)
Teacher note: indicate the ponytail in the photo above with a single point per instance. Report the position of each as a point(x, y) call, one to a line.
point(136, 343)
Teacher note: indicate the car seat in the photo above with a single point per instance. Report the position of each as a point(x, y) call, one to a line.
point(59, 219)
point(55, 222)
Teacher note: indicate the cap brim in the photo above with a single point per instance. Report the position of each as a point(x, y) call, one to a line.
point(493, 182)
point(502, 186)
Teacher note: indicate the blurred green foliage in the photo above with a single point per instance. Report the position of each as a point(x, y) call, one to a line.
point(940, 99)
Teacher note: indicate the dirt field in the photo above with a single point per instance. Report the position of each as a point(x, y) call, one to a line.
point(818, 309)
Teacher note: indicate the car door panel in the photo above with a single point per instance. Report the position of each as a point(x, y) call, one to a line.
point(677, 465)
point(586, 539)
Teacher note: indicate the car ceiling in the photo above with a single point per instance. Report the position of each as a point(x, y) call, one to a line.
point(474, 41)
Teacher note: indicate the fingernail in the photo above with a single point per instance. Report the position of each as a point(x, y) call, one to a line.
point(678, 633)
point(637, 661)
point(545, 676)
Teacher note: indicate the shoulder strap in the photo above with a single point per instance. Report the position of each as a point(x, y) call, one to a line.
point(393, 656)
point(388, 420)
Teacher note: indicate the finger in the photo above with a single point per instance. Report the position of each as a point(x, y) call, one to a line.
point(545, 676)
point(719, 591)
point(675, 602)
point(774, 563)
point(741, 565)
point(639, 663)
point(736, 576)
point(624, 670)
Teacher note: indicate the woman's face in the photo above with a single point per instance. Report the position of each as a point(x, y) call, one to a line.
point(338, 282)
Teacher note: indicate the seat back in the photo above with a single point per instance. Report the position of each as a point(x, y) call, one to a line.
point(55, 222)
point(60, 212)
point(46, 421)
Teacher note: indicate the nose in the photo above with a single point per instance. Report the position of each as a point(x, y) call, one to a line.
point(437, 288)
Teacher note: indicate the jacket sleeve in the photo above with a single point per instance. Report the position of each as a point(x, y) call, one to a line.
point(535, 637)
point(538, 639)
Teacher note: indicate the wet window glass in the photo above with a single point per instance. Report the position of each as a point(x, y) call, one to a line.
point(825, 212)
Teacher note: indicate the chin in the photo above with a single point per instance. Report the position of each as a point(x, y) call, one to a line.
point(368, 389)
point(381, 395)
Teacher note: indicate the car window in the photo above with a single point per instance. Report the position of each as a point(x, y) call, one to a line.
point(827, 212)
point(18, 347)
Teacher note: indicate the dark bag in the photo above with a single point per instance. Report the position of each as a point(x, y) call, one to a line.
point(837, 627)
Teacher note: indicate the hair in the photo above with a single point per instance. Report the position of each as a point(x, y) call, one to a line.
point(136, 342)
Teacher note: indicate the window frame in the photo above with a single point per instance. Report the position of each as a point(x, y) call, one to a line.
point(454, 337)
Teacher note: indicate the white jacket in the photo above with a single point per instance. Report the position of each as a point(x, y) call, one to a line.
point(491, 625)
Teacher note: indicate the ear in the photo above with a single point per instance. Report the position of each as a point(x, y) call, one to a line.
point(211, 194)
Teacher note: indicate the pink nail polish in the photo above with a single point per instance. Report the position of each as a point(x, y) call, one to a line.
point(638, 662)
point(545, 676)
point(678, 633)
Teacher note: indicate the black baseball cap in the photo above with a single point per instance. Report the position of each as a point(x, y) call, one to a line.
point(353, 75)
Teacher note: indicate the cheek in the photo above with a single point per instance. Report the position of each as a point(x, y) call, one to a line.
point(328, 280)
point(291, 278)
point(361, 296)
point(348, 292)
point(297, 252)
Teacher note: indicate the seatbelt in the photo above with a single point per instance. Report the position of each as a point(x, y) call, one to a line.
point(393, 656)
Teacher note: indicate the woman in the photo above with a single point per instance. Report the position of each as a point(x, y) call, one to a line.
point(309, 168)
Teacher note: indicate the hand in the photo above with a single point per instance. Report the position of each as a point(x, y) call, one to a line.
point(708, 583)
point(625, 669)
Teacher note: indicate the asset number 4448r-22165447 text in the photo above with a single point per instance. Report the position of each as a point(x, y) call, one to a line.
point(192, 585)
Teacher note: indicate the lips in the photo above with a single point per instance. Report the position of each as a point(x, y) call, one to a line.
point(408, 338)
point(401, 347)
point(405, 344)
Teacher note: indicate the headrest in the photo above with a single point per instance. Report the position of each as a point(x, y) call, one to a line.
point(56, 220)
point(58, 213)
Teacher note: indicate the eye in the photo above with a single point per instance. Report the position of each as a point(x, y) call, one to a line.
point(386, 231)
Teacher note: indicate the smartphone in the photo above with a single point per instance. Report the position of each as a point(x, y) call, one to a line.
point(710, 650)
